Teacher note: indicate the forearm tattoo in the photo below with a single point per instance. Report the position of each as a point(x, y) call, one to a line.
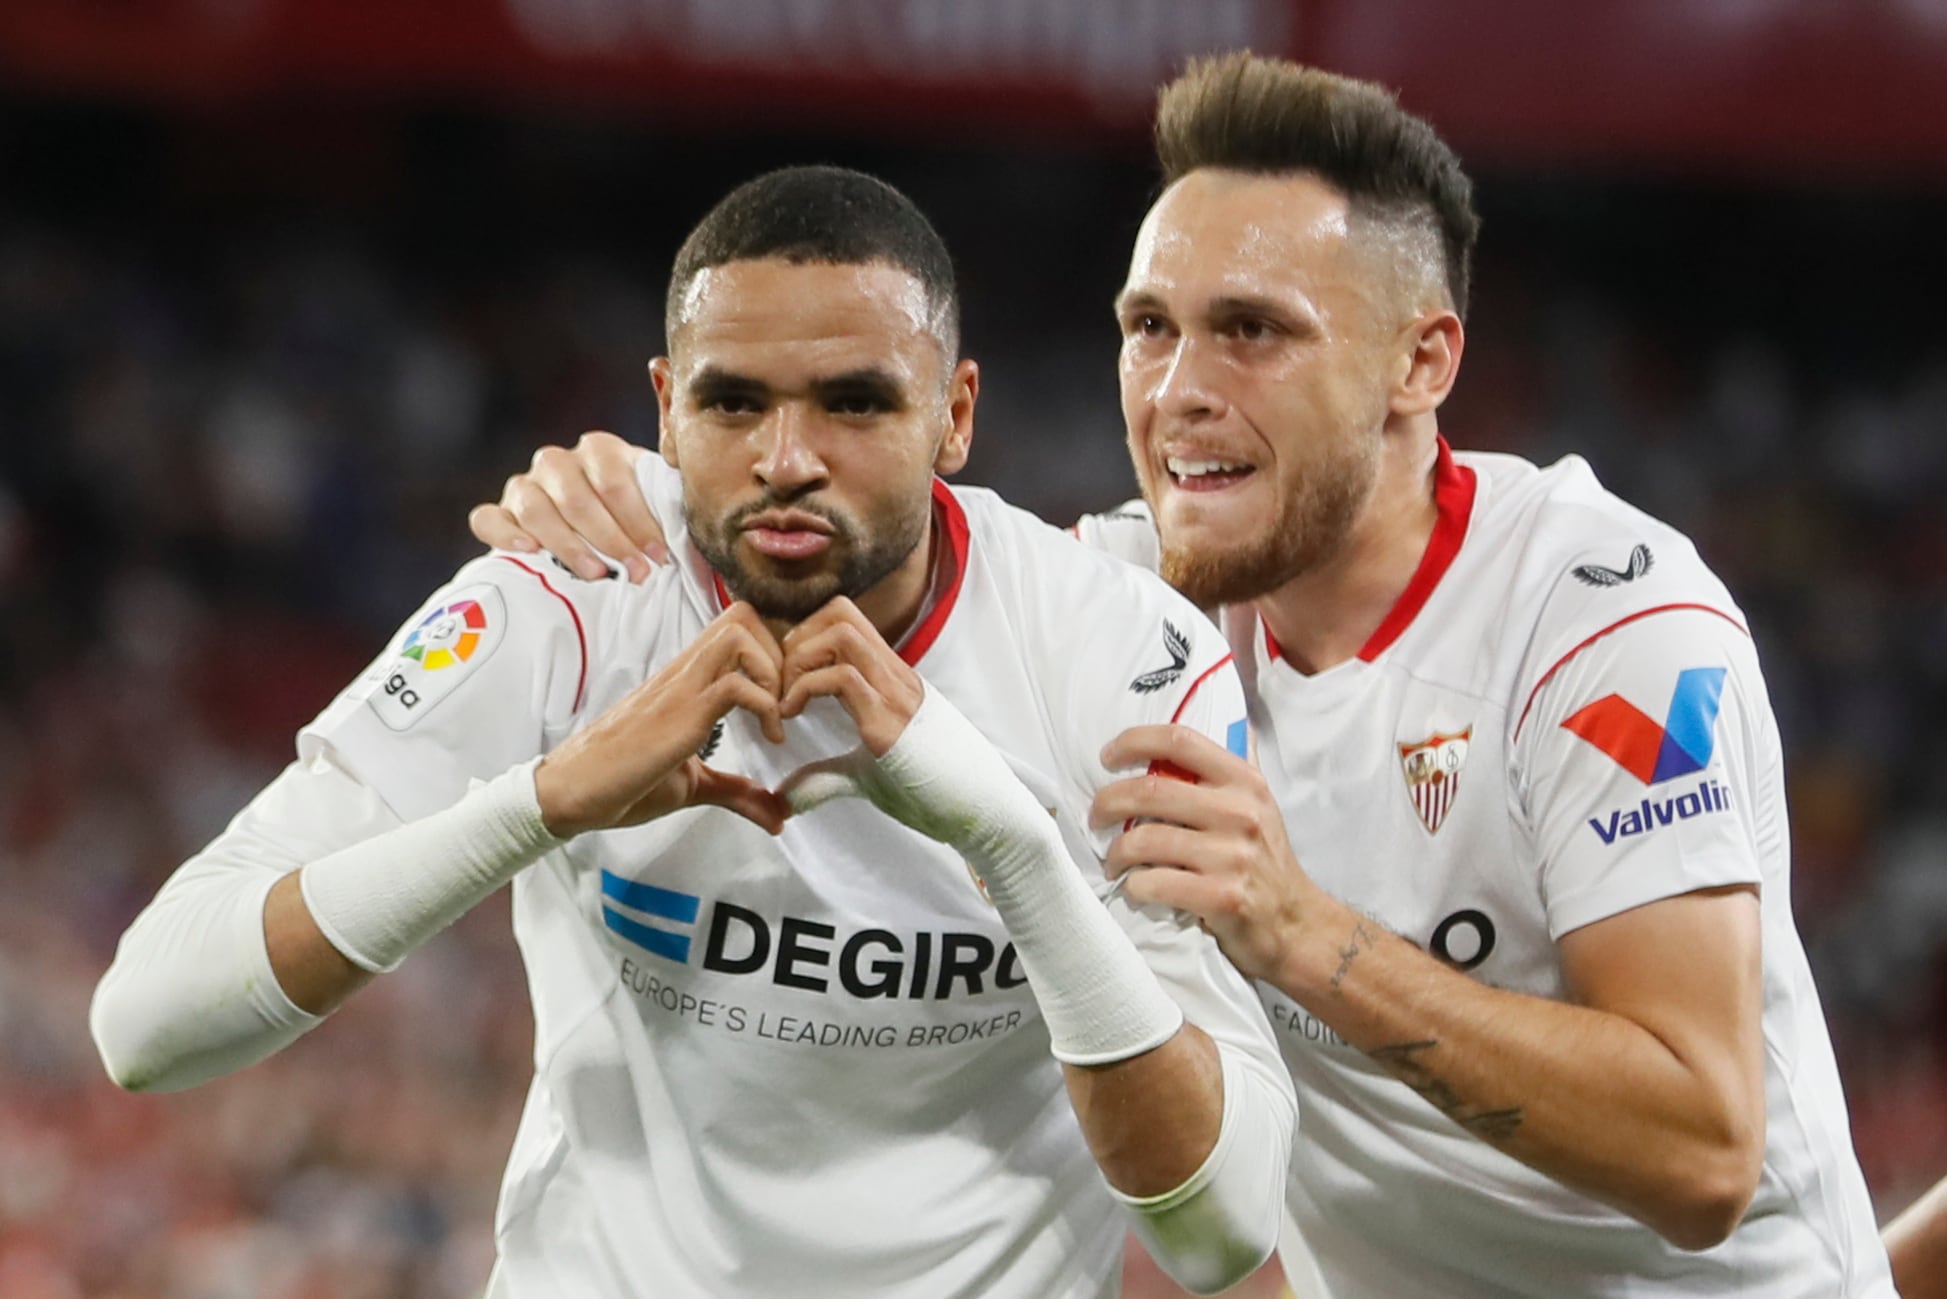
point(1361, 940)
point(1489, 1125)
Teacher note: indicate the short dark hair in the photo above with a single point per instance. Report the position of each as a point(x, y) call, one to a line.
point(1242, 112)
point(830, 215)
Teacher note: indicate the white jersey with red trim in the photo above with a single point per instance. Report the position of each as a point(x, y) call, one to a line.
point(1563, 718)
point(807, 1065)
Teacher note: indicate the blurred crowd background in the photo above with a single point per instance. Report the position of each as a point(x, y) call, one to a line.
point(265, 336)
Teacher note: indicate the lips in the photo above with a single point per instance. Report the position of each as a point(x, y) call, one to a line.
point(787, 534)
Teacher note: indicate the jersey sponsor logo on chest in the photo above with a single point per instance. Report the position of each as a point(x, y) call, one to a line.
point(809, 955)
point(1432, 769)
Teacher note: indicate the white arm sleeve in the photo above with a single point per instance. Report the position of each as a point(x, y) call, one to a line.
point(1219, 1226)
point(378, 810)
point(190, 995)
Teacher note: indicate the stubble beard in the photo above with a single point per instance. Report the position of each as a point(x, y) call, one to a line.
point(1314, 519)
point(857, 560)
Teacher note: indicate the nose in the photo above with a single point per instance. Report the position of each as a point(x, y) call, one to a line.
point(1187, 387)
point(790, 464)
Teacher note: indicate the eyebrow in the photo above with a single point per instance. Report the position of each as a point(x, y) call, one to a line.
point(1136, 300)
point(1247, 305)
point(869, 381)
point(713, 384)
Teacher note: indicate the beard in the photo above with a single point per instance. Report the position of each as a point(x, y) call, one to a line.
point(858, 559)
point(1311, 525)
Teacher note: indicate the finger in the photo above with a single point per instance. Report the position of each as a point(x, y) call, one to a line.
point(840, 681)
point(851, 640)
point(590, 513)
point(1182, 747)
point(736, 691)
point(742, 623)
point(817, 783)
point(494, 526)
point(1161, 797)
point(737, 648)
point(746, 798)
point(536, 512)
point(1157, 843)
point(609, 464)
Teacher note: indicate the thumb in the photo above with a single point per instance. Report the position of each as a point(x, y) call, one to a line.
point(748, 799)
point(846, 776)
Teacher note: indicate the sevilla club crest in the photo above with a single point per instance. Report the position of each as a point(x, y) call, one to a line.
point(1432, 769)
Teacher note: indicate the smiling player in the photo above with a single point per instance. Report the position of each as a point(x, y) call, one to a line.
point(1515, 879)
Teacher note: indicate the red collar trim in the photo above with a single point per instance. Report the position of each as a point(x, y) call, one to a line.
point(920, 639)
point(1453, 497)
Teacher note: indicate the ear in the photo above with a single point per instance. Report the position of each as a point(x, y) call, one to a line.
point(663, 378)
point(962, 390)
point(1428, 364)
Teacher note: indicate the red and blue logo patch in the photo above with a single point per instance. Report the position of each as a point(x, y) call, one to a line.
point(1653, 754)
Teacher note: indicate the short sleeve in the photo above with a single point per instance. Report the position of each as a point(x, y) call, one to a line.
point(1127, 532)
point(1648, 767)
point(1167, 665)
point(482, 676)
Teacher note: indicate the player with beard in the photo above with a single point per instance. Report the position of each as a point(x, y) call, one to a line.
point(798, 835)
point(1514, 879)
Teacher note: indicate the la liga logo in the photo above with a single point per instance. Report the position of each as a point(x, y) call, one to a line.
point(446, 636)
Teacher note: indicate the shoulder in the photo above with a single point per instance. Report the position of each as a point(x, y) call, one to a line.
point(1586, 569)
point(1109, 644)
point(1082, 595)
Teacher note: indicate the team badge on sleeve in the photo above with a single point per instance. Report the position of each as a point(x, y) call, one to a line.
point(1432, 769)
point(442, 650)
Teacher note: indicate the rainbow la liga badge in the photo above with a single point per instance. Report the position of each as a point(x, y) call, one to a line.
point(1432, 771)
point(442, 649)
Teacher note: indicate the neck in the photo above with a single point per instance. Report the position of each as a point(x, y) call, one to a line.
point(1326, 614)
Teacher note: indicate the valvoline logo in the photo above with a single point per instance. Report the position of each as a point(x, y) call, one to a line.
point(1654, 754)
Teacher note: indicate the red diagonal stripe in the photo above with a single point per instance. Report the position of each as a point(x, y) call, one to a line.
point(1623, 731)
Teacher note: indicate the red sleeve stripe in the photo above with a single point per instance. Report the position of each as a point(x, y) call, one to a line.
point(1196, 685)
point(1561, 662)
point(581, 637)
point(1163, 768)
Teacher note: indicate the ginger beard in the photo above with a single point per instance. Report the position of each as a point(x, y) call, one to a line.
point(1314, 516)
point(859, 557)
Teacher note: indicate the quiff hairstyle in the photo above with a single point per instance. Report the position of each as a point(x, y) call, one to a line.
point(827, 215)
point(1241, 112)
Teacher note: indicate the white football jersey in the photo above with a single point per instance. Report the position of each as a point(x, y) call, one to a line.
point(807, 1065)
point(1563, 718)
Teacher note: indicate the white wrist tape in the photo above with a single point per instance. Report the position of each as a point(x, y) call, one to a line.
point(378, 900)
point(1101, 1001)
point(1221, 1224)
